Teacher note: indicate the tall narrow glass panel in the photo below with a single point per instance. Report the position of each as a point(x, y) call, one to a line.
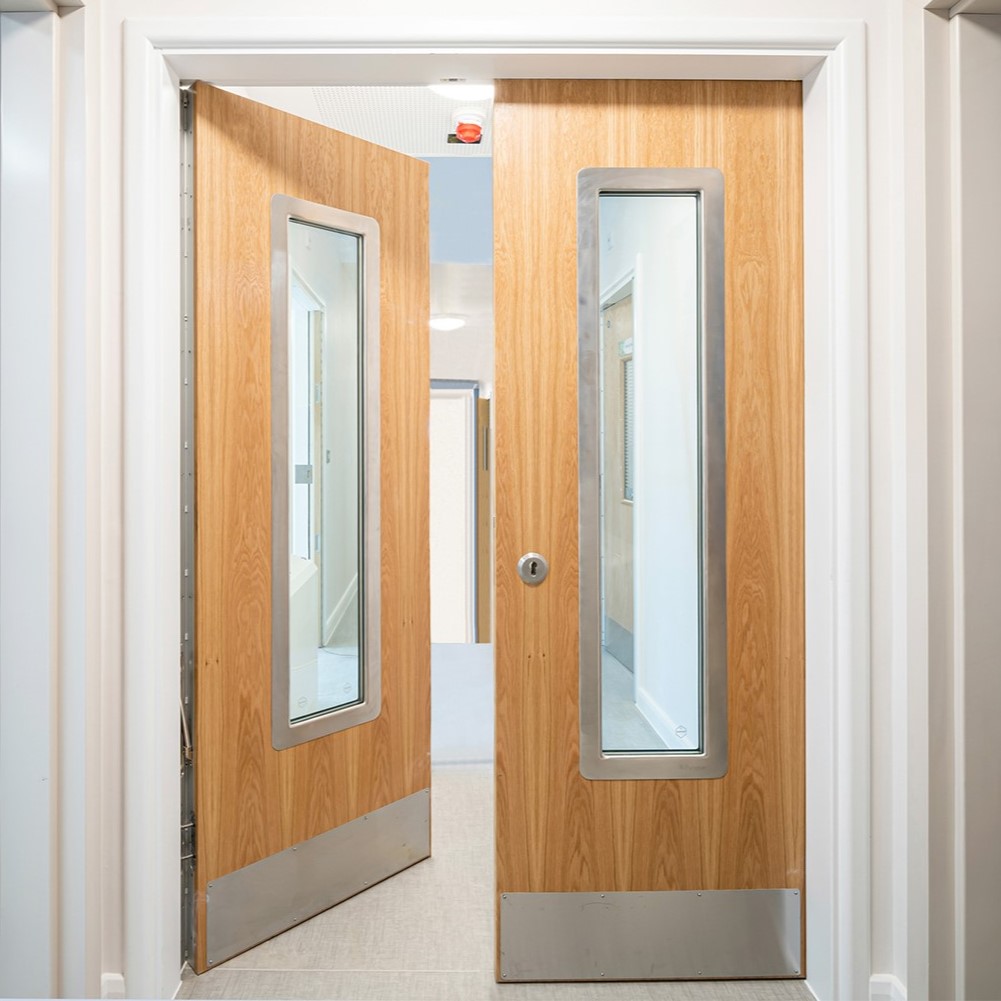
point(324, 342)
point(653, 638)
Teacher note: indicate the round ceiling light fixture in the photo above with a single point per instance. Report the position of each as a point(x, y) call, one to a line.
point(447, 321)
point(461, 90)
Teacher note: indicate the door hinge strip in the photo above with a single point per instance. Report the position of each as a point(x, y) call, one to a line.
point(188, 841)
point(187, 748)
point(187, 497)
point(186, 110)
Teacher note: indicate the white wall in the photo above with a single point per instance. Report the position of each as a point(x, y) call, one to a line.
point(328, 267)
point(466, 353)
point(453, 508)
point(977, 52)
point(29, 582)
point(654, 241)
point(942, 928)
point(120, 541)
point(898, 491)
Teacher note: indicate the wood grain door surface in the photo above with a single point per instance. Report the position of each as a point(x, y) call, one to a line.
point(555, 830)
point(251, 800)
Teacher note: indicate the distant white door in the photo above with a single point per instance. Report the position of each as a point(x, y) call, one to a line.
point(453, 511)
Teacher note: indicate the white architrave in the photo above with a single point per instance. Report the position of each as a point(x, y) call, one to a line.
point(829, 55)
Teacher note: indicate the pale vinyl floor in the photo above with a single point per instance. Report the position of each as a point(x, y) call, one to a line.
point(623, 726)
point(427, 934)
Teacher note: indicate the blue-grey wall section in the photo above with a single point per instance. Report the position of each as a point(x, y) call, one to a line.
point(462, 209)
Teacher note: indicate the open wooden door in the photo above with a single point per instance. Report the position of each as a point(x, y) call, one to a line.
point(648, 878)
point(285, 833)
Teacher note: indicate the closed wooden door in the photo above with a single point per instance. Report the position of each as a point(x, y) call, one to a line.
point(586, 867)
point(284, 833)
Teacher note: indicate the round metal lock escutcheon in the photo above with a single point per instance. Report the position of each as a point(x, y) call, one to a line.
point(533, 569)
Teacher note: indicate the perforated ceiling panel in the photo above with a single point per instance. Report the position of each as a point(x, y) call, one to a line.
point(412, 120)
point(415, 121)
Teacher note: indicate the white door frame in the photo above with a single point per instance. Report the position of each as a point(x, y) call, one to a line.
point(829, 56)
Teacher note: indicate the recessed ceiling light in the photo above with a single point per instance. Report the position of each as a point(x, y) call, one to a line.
point(447, 321)
point(462, 91)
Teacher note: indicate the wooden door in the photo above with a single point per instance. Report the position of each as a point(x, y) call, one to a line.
point(558, 832)
point(260, 811)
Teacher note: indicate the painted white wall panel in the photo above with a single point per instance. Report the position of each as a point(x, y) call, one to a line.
point(978, 69)
point(942, 926)
point(27, 6)
point(28, 581)
point(465, 290)
point(82, 821)
point(453, 512)
point(877, 84)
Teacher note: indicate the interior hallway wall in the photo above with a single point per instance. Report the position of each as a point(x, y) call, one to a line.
point(462, 704)
point(977, 49)
point(462, 248)
point(29, 370)
point(467, 353)
point(942, 931)
point(452, 432)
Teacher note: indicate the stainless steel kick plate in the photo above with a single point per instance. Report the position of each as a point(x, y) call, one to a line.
point(252, 904)
point(656, 935)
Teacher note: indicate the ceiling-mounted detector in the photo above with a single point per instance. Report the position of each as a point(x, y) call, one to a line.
point(467, 127)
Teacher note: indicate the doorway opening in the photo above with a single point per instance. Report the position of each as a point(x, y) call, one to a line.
point(829, 57)
point(395, 903)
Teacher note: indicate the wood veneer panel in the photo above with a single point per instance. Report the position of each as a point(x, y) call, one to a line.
point(251, 800)
point(557, 831)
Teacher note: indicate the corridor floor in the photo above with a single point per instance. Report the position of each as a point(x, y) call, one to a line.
point(427, 933)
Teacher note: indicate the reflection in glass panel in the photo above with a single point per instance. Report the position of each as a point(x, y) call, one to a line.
point(323, 455)
point(650, 587)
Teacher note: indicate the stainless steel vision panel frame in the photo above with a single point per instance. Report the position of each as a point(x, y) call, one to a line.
point(283, 210)
point(711, 759)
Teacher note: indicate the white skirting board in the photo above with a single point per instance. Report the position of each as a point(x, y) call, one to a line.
point(112, 985)
point(886, 987)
